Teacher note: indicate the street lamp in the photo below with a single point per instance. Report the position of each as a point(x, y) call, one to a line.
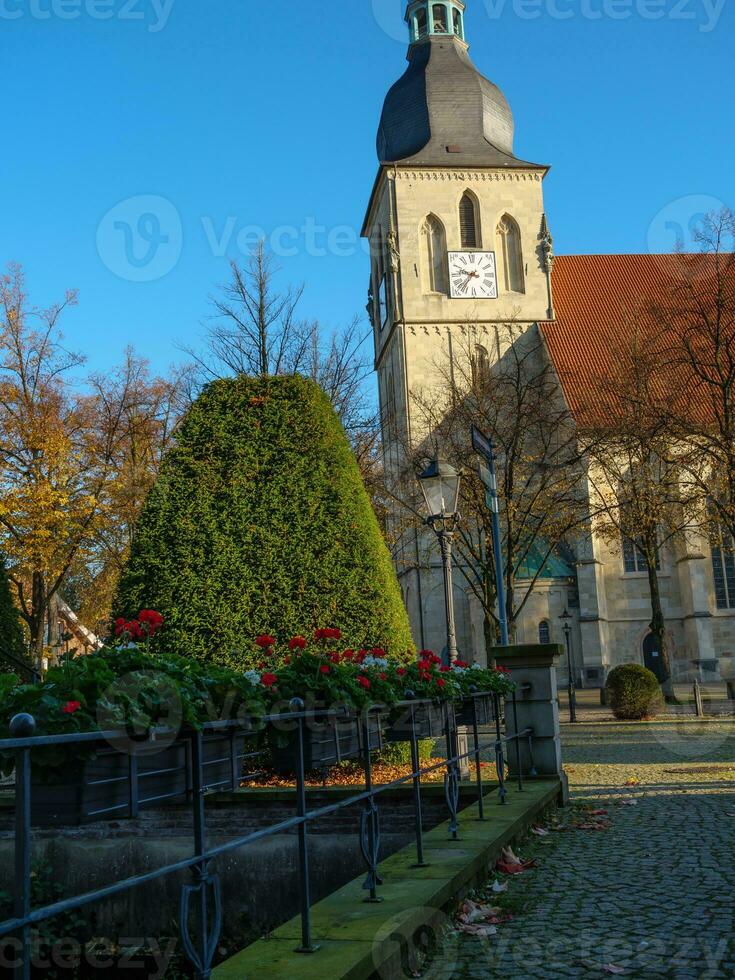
point(440, 486)
point(566, 619)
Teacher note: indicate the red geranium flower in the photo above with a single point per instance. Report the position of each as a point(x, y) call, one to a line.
point(133, 629)
point(383, 676)
point(71, 707)
point(328, 633)
point(268, 680)
point(460, 663)
point(265, 641)
point(426, 654)
point(297, 643)
point(503, 670)
point(325, 669)
point(444, 669)
point(379, 653)
point(348, 655)
point(401, 671)
point(287, 661)
point(364, 681)
point(440, 682)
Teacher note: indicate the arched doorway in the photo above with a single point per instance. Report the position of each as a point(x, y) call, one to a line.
point(652, 656)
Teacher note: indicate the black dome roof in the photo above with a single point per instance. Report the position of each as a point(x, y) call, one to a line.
point(444, 111)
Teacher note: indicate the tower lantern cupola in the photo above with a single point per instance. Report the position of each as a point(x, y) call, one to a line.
point(428, 18)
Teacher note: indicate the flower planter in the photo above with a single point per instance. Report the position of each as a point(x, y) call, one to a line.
point(327, 741)
point(429, 720)
point(100, 788)
point(485, 710)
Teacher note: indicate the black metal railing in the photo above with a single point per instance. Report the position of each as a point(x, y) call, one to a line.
point(200, 914)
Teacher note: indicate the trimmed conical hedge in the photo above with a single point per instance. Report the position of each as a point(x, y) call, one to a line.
point(259, 522)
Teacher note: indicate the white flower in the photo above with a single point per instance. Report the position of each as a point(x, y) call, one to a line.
point(253, 676)
point(371, 661)
point(459, 670)
point(476, 667)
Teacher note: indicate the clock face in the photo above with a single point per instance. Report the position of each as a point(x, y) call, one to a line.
point(473, 275)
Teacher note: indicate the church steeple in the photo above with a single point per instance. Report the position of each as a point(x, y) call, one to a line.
point(427, 18)
point(443, 111)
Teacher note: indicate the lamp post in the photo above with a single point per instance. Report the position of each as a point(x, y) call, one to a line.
point(566, 619)
point(440, 486)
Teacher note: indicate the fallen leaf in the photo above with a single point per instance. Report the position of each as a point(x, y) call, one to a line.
point(598, 813)
point(499, 886)
point(508, 857)
point(633, 782)
point(612, 968)
point(539, 831)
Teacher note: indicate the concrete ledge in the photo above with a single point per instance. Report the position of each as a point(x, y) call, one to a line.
point(358, 939)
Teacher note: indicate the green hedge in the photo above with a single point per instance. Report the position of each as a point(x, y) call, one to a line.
point(260, 522)
point(12, 636)
point(633, 692)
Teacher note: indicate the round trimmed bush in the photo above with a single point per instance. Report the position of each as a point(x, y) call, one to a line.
point(633, 692)
point(260, 523)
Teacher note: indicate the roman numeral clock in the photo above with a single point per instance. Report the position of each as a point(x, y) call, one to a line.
point(472, 275)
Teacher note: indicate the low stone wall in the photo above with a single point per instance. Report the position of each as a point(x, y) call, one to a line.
point(259, 881)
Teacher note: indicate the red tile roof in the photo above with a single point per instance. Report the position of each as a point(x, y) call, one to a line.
point(598, 300)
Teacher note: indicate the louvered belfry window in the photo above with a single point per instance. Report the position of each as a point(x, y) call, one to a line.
point(468, 223)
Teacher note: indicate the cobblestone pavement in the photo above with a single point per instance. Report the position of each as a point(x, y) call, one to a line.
point(654, 895)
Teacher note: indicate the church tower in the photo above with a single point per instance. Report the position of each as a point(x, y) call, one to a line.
point(458, 238)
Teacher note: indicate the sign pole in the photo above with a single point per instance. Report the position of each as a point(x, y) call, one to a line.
point(483, 446)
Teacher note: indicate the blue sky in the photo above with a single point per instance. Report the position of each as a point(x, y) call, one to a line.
point(242, 114)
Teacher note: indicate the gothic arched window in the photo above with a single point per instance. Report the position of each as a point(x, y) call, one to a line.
point(469, 221)
point(433, 255)
point(422, 23)
point(480, 364)
point(439, 17)
point(510, 254)
point(544, 633)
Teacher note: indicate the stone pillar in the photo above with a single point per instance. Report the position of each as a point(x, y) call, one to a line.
point(533, 669)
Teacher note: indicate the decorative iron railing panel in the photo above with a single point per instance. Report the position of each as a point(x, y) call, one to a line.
point(201, 902)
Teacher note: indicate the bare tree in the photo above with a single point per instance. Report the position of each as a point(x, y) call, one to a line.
point(643, 499)
point(696, 330)
point(255, 330)
point(515, 399)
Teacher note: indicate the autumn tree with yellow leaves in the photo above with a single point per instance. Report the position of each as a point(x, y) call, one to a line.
point(76, 457)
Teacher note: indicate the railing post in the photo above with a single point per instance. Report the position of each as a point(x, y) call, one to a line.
point(307, 946)
point(499, 757)
point(418, 815)
point(23, 726)
point(451, 778)
point(370, 817)
point(201, 955)
point(518, 743)
point(478, 770)
point(133, 784)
